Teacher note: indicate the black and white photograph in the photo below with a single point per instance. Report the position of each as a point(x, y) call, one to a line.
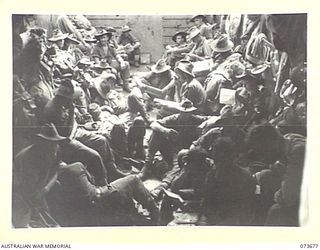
point(159, 120)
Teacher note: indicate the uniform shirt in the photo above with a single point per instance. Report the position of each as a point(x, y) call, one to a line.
point(229, 194)
point(61, 114)
point(202, 49)
point(158, 80)
point(294, 154)
point(32, 170)
point(185, 126)
point(130, 39)
point(107, 52)
point(193, 91)
point(205, 31)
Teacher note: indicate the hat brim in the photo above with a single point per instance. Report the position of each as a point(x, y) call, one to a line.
point(164, 69)
point(85, 63)
point(225, 49)
point(90, 40)
point(97, 66)
point(126, 30)
point(57, 138)
point(197, 16)
point(111, 30)
point(185, 71)
point(59, 38)
point(102, 34)
point(73, 40)
point(186, 110)
point(183, 34)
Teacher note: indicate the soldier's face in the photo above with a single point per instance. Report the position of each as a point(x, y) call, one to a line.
point(197, 21)
point(60, 44)
point(180, 40)
point(104, 39)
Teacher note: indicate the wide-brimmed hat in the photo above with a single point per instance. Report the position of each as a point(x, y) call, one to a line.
point(102, 65)
point(101, 33)
point(101, 86)
point(89, 39)
point(186, 106)
point(69, 89)
point(85, 61)
point(110, 29)
point(222, 44)
point(160, 66)
point(180, 33)
point(49, 132)
point(66, 76)
point(248, 74)
point(73, 39)
point(203, 17)
point(125, 28)
point(193, 33)
point(186, 67)
point(57, 35)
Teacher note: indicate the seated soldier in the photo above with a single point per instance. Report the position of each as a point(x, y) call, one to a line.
point(104, 50)
point(90, 149)
point(223, 77)
point(126, 132)
point(290, 118)
point(254, 103)
point(130, 44)
point(174, 53)
point(187, 87)
point(201, 49)
point(78, 201)
point(173, 133)
point(200, 23)
point(35, 172)
point(265, 144)
point(83, 77)
point(109, 99)
point(222, 49)
point(75, 54)
point(159, 82)
point(90, 42)
point(229, 189)
point(35, 75)
point(62, 59)
point(187, 178)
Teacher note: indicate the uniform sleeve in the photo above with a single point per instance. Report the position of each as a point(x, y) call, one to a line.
point(291, 185)
point(96, 52)
point(133, 39)
point(194, 93)
point(169, 120)
point(208, 138)
point(76, 176)
point(207, 50)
